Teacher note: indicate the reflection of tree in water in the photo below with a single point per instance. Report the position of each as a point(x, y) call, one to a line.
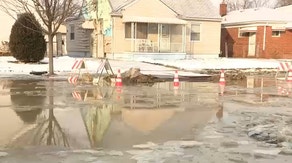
point(96, 121)
point(47, 131)
point(28, 99)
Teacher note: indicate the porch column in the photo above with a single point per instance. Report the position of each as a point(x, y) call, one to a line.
point(132, 37)
point(184, 31)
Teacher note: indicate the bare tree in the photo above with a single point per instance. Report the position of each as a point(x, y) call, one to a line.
point(281, 3)
point(245, 4)
point(51, 13)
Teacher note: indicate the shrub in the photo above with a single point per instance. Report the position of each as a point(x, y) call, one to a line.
point(27, 42)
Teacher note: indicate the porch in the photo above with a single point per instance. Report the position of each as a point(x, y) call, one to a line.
point(137, 56)
point(150, 35)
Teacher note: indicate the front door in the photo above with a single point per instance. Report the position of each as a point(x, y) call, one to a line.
point(252, 44)
point(164, 38)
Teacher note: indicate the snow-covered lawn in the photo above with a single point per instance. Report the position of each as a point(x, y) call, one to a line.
point(63, 65)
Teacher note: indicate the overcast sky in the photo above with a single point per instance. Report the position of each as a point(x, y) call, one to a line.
point(217, 2)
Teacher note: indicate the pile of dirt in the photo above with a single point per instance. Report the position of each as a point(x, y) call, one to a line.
point(238, 74)
point(4, 49)
point(5, 53)
point(133, 77)
point(87, 78)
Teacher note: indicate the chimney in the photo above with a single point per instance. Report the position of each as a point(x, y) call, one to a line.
point(223, 8)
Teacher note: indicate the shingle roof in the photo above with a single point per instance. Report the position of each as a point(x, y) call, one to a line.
point(255, 15)
point(185, 8)
point(287, 9)
point(193, 8)
point(117, 4)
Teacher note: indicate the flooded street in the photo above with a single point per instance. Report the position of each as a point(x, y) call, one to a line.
point(241, 122)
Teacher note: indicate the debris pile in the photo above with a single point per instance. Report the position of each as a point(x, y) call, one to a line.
point(133, 77)
point(4, 48)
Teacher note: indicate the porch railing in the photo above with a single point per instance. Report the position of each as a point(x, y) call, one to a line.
point(145, 45)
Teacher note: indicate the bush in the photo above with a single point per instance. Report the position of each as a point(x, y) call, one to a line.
point(27, 42)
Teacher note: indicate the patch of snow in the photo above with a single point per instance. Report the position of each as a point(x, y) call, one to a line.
point(63, 65)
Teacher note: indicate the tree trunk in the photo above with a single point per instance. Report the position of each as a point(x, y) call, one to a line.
point(50, 55)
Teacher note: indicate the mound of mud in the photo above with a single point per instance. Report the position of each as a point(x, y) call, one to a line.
point(133, 77)
point(238, 74)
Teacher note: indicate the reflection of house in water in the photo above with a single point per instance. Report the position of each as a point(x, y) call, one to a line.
point(162, 95)
point(259, 89)
point(111, 124)
point(26, 99)
point(96, 121)
point(19, 108)
point(158, 115)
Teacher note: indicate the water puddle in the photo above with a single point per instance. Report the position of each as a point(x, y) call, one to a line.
point(41, 113)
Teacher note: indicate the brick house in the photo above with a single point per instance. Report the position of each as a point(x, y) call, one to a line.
point(256, 33)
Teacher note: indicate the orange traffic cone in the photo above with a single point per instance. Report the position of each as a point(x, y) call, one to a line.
point(289, 77)
point(176, 80)
point(119, 79)
point(222, 78)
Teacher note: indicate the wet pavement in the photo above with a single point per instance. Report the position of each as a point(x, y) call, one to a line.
point(89, 118)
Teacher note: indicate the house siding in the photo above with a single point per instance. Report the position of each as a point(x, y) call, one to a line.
point(120, 43)
point(81, 45)
point(274, 47)
point(210, 30)
point(209, 43)
point(278, 47)
point(149, 8)
point(236, 46)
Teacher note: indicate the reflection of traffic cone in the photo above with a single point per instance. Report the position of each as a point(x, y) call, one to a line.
point(176, 80)
point(222, 83)
point(119, 91)
point(289, 77)
point(119, 79)
point(289, 87)
point(222, 78)
point(279, 90)
point(221, 89)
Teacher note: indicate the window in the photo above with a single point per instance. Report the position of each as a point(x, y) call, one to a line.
point(72, 32)
point(128, 30)
point(243, 34)
point(195, 32)
point(276, 33)
point(141, 30)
